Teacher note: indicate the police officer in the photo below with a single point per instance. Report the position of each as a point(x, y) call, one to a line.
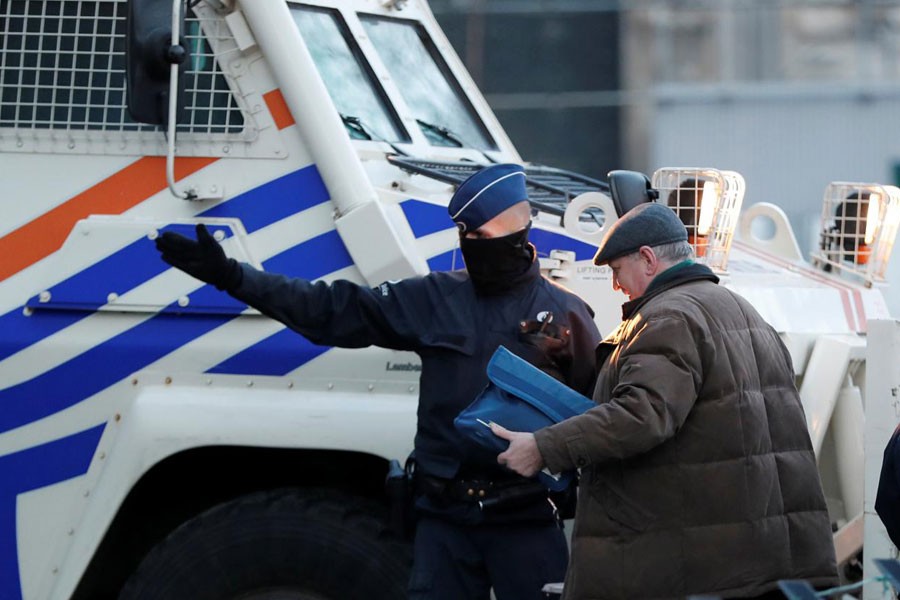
point(479, 525)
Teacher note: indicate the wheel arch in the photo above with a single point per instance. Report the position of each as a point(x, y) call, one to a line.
point(187, 483)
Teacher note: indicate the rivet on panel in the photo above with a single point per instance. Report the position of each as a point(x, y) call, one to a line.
point(183, 301)
point(371, 387)
point(168, 380)
point(330, 386)
point(112, 297)
point(290, 384)
point(27, 311)
point(153, 235)
point(44, 296)
point(134, 381)
point(118, 417)
point(219, 234)
point(250, 383)
point(102, 455)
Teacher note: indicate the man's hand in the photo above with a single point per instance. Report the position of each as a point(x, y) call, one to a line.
point(523, 455)
point(203, 259)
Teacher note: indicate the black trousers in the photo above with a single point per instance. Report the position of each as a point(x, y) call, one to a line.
point(456, 562)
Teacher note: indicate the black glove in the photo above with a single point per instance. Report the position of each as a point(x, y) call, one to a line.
point(203, 259)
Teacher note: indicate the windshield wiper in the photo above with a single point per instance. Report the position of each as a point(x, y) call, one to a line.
point(362, 132)
point(445, 134)
point(356, 127)
point(442, 133)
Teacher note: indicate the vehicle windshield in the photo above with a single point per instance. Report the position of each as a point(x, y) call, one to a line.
point(439, 106)
point(350, 82)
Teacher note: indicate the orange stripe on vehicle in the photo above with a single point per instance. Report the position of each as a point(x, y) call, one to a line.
point(279, 109)
point(44, 235)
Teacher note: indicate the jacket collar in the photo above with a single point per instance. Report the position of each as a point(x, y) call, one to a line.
point(684, 272)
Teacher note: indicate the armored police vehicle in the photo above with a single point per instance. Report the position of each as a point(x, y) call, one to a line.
point(159, 439)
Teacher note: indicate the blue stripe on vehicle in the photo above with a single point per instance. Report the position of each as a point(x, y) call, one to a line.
point(545, 241)
point(286, 350)
point(277, 355)
point(274, 200)
point(100, 367)
point(447, 261)
point(28, 470)
point(313, 258)
point(207, 300)
point(425, 218)
point(20, 331)
point(130, 351)
point(139, 262)
point(118, 273)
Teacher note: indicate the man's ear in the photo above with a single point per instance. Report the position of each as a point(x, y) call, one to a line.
point(648, 257)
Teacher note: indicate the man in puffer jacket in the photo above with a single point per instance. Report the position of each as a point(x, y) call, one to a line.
point(697, 471)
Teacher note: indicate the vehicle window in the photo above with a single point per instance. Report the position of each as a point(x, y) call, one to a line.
point(63, 67)
point(444, 113)
point(348, 77)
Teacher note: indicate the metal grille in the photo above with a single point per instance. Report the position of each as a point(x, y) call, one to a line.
point(549, 189)
point(859, 225)
point(708, 202)
point(62, 67)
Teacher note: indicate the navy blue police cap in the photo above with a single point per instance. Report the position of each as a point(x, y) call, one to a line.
point(650, 224)
point(486, 194)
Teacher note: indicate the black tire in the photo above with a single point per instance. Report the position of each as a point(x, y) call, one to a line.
point(279, 545)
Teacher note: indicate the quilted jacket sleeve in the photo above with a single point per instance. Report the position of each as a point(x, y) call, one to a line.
point(653, 381)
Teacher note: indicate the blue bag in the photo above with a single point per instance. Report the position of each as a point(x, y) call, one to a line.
point(520, 397)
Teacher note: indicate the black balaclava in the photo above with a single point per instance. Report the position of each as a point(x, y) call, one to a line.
point(498, 264)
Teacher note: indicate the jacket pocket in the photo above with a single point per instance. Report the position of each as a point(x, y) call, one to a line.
point(621, 509)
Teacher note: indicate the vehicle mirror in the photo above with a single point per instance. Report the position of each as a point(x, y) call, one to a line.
point(149, 56)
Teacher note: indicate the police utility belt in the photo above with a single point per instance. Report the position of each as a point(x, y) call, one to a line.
point(484, 493)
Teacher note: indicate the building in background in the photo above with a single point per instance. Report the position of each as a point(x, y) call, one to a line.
point(791, 93)
point(550, 70)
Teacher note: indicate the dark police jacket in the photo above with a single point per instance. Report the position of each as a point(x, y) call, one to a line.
point(454, 331)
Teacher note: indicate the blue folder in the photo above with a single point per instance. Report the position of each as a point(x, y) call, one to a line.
point(520, 397)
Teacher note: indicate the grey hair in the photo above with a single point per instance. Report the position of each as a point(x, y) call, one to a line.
point(674, 252)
